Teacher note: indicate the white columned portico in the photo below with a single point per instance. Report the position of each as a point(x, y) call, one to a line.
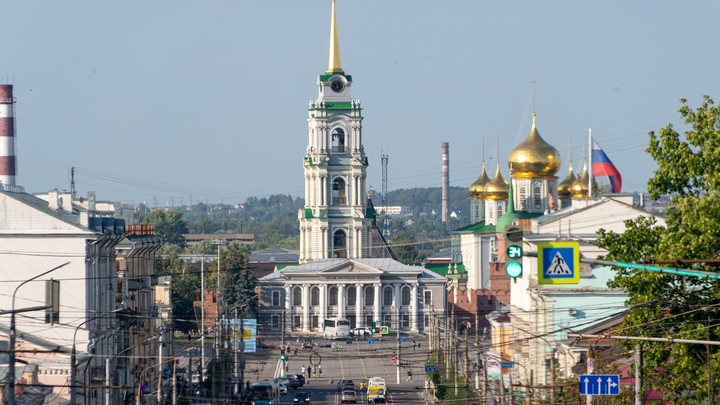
point(323, 303)
point(306, 307)
point(341, 301)
point(377, 315)
point(359, 292)
point(414, 307)
point(397, 300)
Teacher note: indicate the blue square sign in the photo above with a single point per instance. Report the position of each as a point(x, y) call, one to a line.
point(558, 263)
point(600, 384)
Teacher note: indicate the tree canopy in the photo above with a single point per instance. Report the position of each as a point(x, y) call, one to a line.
point(672, 306)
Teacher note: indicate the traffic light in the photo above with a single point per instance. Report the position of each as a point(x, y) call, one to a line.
point(282, 354)
point(513, 264)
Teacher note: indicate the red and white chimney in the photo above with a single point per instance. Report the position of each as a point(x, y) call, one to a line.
point(8, 162)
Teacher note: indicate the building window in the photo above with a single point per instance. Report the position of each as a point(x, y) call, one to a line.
point(369, 321)
point(426, 321)
point(276, 298)
point(387, 296)
point(333, 296)
point(369, 295)
point(315, 321)
point(405, 319)
point(339, 192)
point(522, 197)
point(427, 297)
point(405, 296)
point(351, 296)
point(275, 321)
point(387, 319)
point(340, 244)
point(315, 296)
point(296, 321)
point(537, 196)
point(297, 296)
point(338, 140)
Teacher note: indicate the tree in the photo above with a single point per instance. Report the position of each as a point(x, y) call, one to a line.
point(237, 282)
point(670, 306)
point(169, 225)
point(403, 245)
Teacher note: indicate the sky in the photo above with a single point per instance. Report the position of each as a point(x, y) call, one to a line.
point(173, 101)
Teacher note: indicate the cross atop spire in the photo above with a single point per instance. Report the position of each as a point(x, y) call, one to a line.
point(334, 56)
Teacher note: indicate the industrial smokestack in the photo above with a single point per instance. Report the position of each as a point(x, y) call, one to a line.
point(445, 178)
point(8, 163)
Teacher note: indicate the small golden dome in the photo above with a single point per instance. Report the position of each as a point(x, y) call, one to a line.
point(579, 188)
point(477, 189)
point(565, 187)
point(534, 157)
point(497, 188)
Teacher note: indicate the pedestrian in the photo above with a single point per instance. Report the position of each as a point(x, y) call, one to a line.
point(295, 351)
point(320, 370)
point(418, 345)
point(409, 375)
point(314, 370)
point(414, 344)
point(287, 366)
point(303, 369)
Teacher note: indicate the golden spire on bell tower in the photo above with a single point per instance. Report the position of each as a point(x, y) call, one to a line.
point(334, 57)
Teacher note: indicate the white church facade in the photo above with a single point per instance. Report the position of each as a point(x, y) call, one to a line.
point(346, 268)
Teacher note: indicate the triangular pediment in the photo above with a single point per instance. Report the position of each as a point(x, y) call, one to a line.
point(350, 268)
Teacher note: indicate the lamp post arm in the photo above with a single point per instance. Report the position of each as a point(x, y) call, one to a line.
point(11, 371)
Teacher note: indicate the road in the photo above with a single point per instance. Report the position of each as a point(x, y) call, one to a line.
point(355, 361)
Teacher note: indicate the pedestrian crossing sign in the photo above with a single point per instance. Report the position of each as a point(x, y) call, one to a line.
point(558, 263)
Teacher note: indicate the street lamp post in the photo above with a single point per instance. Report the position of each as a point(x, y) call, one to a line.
point(11, 371)
point(73, 355)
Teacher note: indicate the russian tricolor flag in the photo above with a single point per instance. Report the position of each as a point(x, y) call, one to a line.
point(602, 166)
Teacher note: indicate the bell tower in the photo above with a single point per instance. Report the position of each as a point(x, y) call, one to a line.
point(333, 223)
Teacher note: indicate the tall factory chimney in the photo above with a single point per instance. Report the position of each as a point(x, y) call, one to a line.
point(445, 178)
point(8, 163)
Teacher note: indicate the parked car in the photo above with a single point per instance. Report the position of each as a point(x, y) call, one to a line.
point(300, 378)
point(283, 389)
point(301, 398)
point(348, 396)
point(361, 332)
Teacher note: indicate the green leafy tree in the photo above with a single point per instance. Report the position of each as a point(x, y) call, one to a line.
point(185, 286)
point(671, 306)
point(169, 225)
point(404, 247)
point(237, 282)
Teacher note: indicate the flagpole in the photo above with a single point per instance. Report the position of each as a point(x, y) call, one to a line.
point(590, 173)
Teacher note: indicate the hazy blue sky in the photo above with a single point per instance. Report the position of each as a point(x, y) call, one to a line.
point(207, 99)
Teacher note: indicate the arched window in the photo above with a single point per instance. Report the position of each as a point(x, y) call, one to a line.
point(339, 244)
point(537, 196)
point(338, 140)
point(387, 296)
point(369, 295)
point(339, 191)
point(405, 296)
point(315, 296)
point(333, 296)
point(522, 193)
point(351, 295)
point(297, 296)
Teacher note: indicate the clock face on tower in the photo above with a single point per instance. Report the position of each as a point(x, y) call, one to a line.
point(337, 85)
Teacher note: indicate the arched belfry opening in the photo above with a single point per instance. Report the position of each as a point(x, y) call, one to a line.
point(339, 191)
point(340, 244)
point(338, 140)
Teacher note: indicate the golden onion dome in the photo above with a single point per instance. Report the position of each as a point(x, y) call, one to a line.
point(477, 189)
point(565, 187)
point(579, 188)
point(497, 188)
point(534, 157)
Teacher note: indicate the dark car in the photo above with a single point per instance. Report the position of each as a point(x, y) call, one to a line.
point(378, 400)
point(293, 382)
point(300, 378)
point(301, 398)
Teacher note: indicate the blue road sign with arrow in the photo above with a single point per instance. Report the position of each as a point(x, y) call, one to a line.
point(599, 384)
point(371, 341)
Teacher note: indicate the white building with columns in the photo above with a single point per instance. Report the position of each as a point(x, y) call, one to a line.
point(347, 270)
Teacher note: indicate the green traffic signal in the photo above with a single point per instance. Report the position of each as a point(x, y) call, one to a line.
point(513, 269)
point(282, 357)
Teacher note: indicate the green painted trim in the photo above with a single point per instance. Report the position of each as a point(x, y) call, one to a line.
point(338, 105)
point(325, 77)
point(442, 268)
point(308, 213)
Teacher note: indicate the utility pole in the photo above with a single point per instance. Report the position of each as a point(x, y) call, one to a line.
point(202, 321)
point(638, 374)
point(467, 368)
point(160, 367)
point(282, 342)
point(174, 387)
point(397, 358)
